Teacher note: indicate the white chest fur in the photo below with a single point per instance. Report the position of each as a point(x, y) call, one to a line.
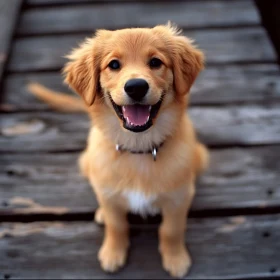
point(140, 203)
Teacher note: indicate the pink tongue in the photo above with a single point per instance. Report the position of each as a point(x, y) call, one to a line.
point(136, 114)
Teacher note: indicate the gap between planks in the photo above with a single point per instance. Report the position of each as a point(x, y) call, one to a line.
point(88, 216)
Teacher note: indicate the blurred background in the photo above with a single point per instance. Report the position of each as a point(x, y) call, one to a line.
point(46, 208)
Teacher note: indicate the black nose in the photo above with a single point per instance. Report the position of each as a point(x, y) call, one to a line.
point(136, 88)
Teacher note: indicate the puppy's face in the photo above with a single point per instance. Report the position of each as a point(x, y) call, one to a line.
point(138, 72)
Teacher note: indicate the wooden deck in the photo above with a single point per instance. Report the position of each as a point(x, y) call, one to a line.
point(46, 208)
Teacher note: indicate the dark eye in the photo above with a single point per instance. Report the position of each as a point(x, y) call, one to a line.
point(114, 65)
point(155, 63)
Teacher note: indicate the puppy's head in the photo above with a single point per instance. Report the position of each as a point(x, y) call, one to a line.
point(138, 72)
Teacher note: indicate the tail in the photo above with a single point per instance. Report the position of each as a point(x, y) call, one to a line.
point(201, 158)
point(57, 100)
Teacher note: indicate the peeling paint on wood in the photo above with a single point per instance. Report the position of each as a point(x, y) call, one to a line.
point(234, 224)
point(21, 230)
point(28, 206)
point(21, 128)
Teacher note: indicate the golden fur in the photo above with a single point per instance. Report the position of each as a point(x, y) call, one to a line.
point(167, 183)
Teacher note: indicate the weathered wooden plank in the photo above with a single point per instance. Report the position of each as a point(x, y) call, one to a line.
point(228, 84)
point(16, 95)
point(42, 53)
point(50, 2)
point(240, 178)
point(237, 247)
point(220, 46)
point(237, 125)
point(35, 3)
point(48, 131)
point(30, 131)
point(8, 17)
point(51, 183)
point(84, 18)
point(43, 184)
point(215, 85)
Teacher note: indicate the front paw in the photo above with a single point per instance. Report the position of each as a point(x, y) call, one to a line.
point(112, 259)
point(177, 264)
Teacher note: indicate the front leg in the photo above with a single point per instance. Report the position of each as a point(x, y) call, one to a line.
point(113, 252)
point(175, 257)
point(112, 213)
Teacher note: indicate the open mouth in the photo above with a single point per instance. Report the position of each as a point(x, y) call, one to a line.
point(137, 117)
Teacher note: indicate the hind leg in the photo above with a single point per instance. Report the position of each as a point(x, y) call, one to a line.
point(99, 216)
point(84, 168)
point(84, 163)
point(201, 158)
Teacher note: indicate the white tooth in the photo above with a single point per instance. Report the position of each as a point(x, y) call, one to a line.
point(123, 108)
point(147, 119)
point(150, 107)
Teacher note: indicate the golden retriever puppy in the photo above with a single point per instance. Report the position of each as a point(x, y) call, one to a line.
point(142, 153)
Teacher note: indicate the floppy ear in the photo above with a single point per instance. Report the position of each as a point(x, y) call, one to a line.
point(188, 61)
point(82, 72)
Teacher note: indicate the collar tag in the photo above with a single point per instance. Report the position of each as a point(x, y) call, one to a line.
point(154, 153)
